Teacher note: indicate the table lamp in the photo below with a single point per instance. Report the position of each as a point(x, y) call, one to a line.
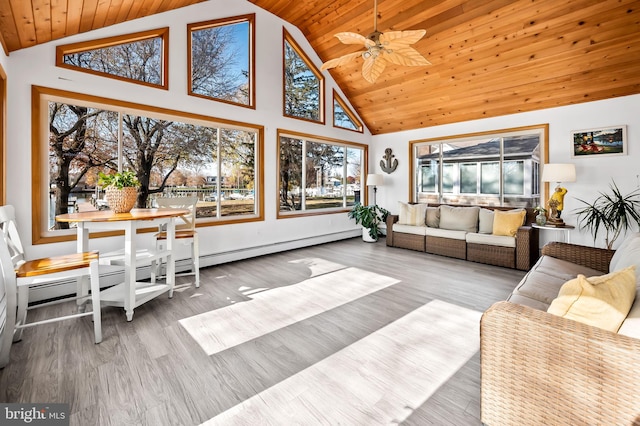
point(374, 180)
point(558, 173)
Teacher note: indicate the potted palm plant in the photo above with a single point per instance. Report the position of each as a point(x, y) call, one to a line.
point(370, 218)
point(120, 190)
point(611, 212)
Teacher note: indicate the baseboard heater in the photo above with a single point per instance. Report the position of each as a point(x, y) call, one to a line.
point(112, 275)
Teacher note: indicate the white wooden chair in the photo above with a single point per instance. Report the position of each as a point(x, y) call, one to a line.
point(7, 304)
point(185, 233)
point(29, 273)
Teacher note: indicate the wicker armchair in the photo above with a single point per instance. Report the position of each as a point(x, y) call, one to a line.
point(538, 368)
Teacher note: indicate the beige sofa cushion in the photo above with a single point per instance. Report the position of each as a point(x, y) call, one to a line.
point(491, 240)
point(562, 269)
point(411, 214)
point(459, 218)
point(543, 281)
point(527, 301)
point(409, 229)
point(627, 254)
point(631, 324)
point(446, 233)
point(485, 221)
point(601, 301)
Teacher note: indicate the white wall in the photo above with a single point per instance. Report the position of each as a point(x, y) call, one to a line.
point(36, 66)
point(594, 174)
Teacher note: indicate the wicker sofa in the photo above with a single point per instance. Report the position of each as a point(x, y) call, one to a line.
point(538, 368)
point(519, 252)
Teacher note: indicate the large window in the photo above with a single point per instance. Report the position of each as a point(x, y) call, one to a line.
point(221, 58)
point(493, 168)
point(303, 84)
point(317, 175)
point(140, 58)
point(172, 153)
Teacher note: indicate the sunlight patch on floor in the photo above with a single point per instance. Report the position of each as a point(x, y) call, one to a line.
point(380, 379)
point(268, 311)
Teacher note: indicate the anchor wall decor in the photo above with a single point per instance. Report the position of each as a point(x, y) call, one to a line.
point(388, 164)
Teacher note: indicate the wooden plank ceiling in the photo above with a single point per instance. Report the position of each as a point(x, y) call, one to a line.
point(489, 57)
point(25, 23)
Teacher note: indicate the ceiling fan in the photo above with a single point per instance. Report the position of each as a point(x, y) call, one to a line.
point(392, 47)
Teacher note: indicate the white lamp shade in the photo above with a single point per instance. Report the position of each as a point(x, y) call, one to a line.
point(559, 173)
point(374, 180)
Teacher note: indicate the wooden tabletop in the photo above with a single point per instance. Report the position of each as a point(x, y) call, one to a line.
point(110, 216)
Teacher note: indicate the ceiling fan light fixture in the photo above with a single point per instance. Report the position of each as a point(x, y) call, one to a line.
point(381, 48)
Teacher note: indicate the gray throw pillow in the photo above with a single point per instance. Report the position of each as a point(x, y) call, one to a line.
point(485, 221)
point(433, 217)
point(459, 218)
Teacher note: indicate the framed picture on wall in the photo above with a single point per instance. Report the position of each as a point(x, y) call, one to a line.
point(599, 141)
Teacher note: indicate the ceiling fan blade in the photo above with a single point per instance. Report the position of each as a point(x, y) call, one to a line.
point(353, 38)
point(395, 39)
point(340, 61)
point(407, 56)
point(372, 68)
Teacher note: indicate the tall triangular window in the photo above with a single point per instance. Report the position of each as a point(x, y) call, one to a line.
point(343, 116)
point(140, 58)
point(303, 84)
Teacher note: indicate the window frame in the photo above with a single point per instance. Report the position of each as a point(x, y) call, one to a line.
point(162, 33)
point(319, 139)
point(288, 38)
point(352, 116)
point(41, 96)
point(543, 130)
point(3, 136)
point(196, 26)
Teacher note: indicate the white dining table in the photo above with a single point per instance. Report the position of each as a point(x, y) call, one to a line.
point(130, 293)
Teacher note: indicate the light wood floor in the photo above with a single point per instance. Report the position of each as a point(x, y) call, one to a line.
point(153, 371)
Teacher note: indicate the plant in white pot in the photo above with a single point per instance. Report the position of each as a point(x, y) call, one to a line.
point(120, 190)
point(370, 217)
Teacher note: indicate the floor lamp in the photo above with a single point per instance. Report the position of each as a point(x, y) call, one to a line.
point(374, 180)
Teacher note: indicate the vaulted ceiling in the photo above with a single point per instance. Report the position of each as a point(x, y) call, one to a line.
point(489, 57)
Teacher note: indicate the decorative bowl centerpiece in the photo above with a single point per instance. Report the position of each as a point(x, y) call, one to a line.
point(120, 190)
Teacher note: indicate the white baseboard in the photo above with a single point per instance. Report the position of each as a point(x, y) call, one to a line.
point(112, 275)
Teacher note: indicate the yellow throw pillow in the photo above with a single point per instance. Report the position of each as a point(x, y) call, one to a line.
point(602, 301)
point(507, 223)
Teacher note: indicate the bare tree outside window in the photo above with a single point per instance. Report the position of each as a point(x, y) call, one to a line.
point(220, 60)
point(139, 58)
point(164, 154)
point(315, 175)
point(160, 145)
point(81, 141)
